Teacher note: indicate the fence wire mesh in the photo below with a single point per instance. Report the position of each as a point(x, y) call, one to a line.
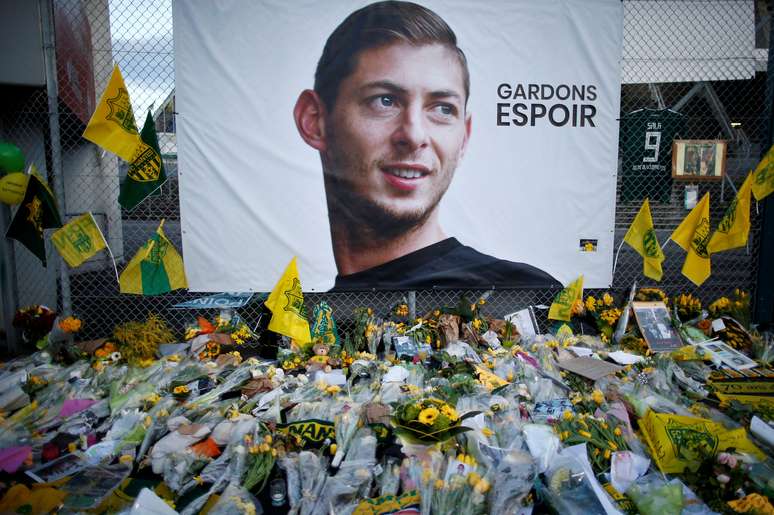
point(91, 35)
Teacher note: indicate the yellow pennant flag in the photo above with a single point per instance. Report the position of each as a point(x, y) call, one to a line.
point(641, 236)
point(763, 176)
point(286, 302)
point(112, 125)
point(156, 268)
point(78, 240)
point(734, 227)
point(561, 307)
point(693, 235)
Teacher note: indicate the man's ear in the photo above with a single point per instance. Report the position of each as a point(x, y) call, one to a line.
point(468, 127)
point(309, 114)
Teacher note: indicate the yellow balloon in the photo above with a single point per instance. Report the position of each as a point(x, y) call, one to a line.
point(12, 187)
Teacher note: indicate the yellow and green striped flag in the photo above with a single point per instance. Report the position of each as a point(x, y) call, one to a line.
point(78, 240)
point(156, 268)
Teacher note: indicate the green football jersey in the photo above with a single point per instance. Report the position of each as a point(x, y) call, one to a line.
point(646, 153)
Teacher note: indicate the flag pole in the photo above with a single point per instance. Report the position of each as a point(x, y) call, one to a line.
point(615, 261)
point(112, 257)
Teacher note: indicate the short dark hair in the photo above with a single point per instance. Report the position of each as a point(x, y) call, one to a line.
point(375, 25)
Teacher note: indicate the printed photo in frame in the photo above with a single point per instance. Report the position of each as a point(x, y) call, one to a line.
point(699, 159)
point(656, 326)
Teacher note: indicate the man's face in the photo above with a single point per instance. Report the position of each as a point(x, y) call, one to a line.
point(396, 133)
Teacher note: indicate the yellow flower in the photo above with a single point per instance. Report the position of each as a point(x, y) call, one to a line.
point(487, 432)
point(607, 454)
point(333, 389)
point(598, 397)
point(427, 416)
point(333, 448)
point(617, 431)
point(71, 447)
point(567, 415)
point(180, 389)
point(473, 478)
point(607, 299)
point(591, 303)
point(449, 412)
point(481, 302)
point(584, 434)
point(126, 459)
point(199, 480)
point(439, 484)
point(477, 324)
point(612, 445)
point(482, 486)
point(588, 246)
point(70, 325)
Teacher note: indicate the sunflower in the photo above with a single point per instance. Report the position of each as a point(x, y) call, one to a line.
point(428, 415)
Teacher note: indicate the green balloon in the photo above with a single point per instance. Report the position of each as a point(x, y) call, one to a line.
point(11, 158)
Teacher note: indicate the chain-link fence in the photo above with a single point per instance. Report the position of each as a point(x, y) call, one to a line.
point(694, 69)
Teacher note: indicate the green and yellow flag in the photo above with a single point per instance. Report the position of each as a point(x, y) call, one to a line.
point(693, 235)
point(156, 268)
point(36, 212)
point(641, 236)
point(561, 307)
point(763, 176)
point(112, 125)
point(146, 171)
point(734, 227)
point(286, 302)
point(78, 240)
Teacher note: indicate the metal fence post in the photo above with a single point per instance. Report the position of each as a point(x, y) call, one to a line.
point(52, 92)
point(764, 290)
point(9, 292)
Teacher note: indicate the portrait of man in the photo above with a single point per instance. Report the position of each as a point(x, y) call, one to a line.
point(388, 116)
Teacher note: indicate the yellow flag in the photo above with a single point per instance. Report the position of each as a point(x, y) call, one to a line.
point(693, 235)
point(763, 176)
point(156, 268)
point(112, 125)
point(286, 302)
point(734, 227)
point(642, 237)
point(561, 307)
point(78, 240)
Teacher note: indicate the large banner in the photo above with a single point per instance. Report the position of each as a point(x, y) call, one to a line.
point(397, 145)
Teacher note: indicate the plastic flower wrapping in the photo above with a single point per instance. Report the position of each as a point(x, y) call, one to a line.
point(452, 411)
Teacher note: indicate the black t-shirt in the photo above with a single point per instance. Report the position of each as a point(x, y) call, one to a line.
point(446, 264)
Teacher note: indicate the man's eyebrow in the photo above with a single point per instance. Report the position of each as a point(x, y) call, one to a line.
point(395, 88)
point(384, 84)
point(446, 93)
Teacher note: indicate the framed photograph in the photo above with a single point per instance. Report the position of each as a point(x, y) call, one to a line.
point(698, 159)
point(656, 326)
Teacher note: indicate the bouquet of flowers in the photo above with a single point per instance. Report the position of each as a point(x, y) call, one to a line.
point(603, 313)
point(35, 322)
point(688, 307)
point(737, 307)
point(428, 420)
point(601, 437)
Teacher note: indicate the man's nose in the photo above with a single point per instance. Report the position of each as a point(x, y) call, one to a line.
point(411, 132)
